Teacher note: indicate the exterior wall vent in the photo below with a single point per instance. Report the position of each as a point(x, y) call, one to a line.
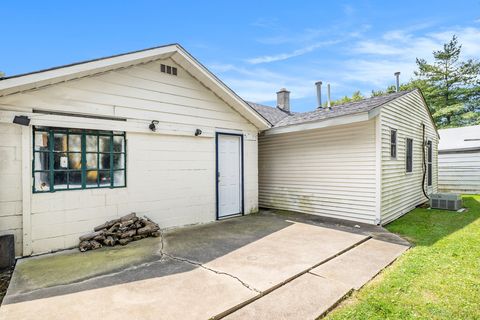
point(446, 201)
point(168, 69)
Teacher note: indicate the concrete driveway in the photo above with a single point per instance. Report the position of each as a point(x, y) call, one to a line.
point(272, 265)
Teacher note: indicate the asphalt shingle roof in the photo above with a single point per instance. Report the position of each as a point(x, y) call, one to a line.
point(273, 115)
point(280, 118)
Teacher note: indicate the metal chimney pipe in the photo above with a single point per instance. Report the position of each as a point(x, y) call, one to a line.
point(397, 79)
point(328, 95)
point(318, 84)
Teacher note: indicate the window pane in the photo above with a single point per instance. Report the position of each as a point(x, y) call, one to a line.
point(91, 143)
point(60, 142)
point(92, 159)
point(60, 160)
point(119, 178)
point(74, 142)
point(119, 161)
point(75, 161)
point(42, 160)
point(60, 180)
point(42, 181)
point(104, 143)
point(75, 179)
point(92, 179)
point(104, 161)
point(104, 178)
point(118, 144)
point(41, 141)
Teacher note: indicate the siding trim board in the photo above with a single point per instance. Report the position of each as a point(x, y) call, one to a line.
point(242, 198)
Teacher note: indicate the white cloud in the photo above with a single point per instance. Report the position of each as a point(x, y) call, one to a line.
point(288, 55)
point(377, 59)
point(355, 63)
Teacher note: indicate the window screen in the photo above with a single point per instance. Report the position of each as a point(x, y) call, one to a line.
point(71, 159)
point(393, 143)
point(409, 155)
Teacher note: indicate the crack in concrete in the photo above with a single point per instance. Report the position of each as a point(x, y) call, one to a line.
point(198, 264)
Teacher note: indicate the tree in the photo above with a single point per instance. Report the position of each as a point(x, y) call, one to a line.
point(451, 87)
point(356, 96)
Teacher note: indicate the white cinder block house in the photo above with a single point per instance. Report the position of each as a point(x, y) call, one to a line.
point(154, 132)
point(459, 160)
point(363, 161)
point(140, 132)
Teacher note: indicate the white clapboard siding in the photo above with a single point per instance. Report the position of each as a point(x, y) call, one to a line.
point(328, 172)
point(459, 172)
point(11, 178)
point(402, 191)
point(170, 176)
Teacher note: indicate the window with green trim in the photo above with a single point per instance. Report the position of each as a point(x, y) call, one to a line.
point(72, 159)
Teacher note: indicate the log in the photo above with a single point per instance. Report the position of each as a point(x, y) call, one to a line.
point(139, 237)
point(128, 234)
point(129, 216)
point(109, 241)
point(84, 246)
point(149, 228)
point(92, 235)
point(95, 244)
point(119, 231)
point(106, 225)
point(124, 241)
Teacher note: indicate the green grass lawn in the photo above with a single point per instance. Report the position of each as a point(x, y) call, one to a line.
point(438, 278)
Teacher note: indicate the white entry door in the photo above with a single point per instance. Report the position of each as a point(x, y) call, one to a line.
point(229, 174)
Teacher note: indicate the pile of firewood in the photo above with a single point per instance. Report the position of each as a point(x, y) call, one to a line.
point(119, 231)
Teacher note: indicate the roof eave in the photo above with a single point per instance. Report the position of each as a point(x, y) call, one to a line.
point(52, 76)
point(324, 123)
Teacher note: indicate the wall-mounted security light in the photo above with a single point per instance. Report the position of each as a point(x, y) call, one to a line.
point(153, 125)
point(198, 132)
point(22, 120)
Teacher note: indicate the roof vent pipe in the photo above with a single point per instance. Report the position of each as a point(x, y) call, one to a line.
point(318, 84)
point(328, 95)
point(397, 79)
point(283, 99)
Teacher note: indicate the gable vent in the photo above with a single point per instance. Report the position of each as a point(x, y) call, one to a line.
point(168, 69)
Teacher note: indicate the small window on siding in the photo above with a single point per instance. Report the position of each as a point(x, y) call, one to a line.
point(70, 159)
point(409, 155)
point(393, 143)
point(429, 163)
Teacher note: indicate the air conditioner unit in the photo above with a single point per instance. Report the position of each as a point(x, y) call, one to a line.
point(446, 201)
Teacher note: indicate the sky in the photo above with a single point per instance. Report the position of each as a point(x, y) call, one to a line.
point(255, 47)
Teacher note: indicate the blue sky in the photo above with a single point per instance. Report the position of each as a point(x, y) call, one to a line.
point(255, 47)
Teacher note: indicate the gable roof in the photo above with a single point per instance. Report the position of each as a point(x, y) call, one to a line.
point(286, 119)
point(459, 139)
point(27, 81)
point(273, 115)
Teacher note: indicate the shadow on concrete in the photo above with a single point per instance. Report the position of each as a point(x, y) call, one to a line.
point(71, 271)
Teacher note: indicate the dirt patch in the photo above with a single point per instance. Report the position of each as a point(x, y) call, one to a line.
point(5, 276)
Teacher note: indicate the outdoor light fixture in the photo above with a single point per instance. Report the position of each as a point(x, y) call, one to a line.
point(198, 132)
point(153, 125)
point(21, 120)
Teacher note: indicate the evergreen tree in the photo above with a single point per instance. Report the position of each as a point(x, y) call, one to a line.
point(452, 86)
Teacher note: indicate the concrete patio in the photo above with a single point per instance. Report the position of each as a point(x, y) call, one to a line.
point(271, 265)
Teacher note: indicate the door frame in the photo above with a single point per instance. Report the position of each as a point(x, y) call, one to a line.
point(242, 187)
